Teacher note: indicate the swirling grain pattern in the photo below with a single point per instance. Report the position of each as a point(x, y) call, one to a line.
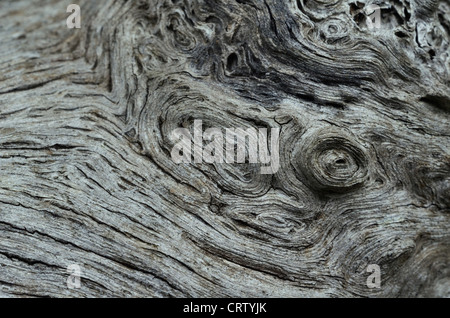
point(87, 175)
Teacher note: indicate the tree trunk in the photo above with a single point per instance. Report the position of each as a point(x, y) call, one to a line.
point(88, 178)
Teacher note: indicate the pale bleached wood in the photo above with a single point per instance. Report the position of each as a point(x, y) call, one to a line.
point(86, 175)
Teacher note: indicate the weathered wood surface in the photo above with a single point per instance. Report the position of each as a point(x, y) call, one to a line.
point(86, 175)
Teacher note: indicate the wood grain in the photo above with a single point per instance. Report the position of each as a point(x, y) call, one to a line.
point(87, 178)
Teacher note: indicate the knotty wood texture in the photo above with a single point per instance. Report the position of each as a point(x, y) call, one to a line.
point(86, 175)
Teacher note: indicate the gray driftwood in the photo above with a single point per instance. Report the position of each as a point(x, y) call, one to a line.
point(86, 175)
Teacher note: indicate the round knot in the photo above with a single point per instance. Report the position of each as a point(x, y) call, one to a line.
point(333, 163)
point(333, 30)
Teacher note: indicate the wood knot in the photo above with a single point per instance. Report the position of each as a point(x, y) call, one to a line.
point(332, 161)
point(333, 30)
